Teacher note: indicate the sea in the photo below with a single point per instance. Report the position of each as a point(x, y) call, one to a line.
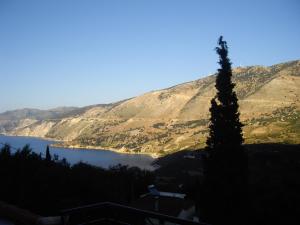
point(96, 157)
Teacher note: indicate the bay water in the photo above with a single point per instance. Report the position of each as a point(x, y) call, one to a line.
point(101, 158)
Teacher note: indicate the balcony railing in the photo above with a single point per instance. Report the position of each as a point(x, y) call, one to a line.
point(108, 213)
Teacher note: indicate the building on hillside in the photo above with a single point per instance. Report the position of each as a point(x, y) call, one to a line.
point(167, 203)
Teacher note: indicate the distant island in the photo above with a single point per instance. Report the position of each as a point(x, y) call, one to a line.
point(174, 118)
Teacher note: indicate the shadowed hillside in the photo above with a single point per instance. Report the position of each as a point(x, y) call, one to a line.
point(273, 186)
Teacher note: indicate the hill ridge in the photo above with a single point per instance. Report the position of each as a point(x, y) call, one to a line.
point(176, 118)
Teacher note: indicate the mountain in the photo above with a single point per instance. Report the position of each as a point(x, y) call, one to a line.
point(174, 118)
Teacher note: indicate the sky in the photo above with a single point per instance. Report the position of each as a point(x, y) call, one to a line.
point(77, 53)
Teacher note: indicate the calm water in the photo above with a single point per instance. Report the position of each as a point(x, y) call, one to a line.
point(103, 158)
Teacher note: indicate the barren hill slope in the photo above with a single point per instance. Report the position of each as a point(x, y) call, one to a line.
point(176, 118)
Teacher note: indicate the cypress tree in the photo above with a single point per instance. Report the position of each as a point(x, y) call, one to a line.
point(226, 164)
point(225, 127)
point(48, 155)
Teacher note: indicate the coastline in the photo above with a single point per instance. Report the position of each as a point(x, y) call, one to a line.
point(91, 147)
point(61, 144)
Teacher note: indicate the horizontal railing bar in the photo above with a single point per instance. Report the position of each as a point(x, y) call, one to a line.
point(99, 220)
point(130, 210)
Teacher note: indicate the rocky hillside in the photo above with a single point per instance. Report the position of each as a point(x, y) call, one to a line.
point(177, 117)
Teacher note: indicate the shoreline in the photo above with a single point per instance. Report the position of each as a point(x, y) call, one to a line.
point(88, 147)
point(91, 147)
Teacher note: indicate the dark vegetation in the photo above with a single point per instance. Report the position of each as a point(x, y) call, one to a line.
point(191, 124)
point(273, 189)
point(223, 192)
point(273, 184)
point(286, 117)
point(47, 185)
point(159, 125)
point(286, 114)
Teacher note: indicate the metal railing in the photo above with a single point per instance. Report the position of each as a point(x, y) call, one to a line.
point(113, 213)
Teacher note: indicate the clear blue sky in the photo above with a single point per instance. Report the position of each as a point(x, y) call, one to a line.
point(76, 53)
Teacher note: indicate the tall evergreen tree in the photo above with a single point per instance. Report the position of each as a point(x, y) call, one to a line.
point(225, 126)
point(48, 155)
point(226, 165)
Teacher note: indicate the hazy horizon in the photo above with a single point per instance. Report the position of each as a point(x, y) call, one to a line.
point(75, 53)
